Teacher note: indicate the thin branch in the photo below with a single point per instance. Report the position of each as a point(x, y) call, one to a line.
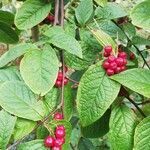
point(74, 81)
point(137, 107)
point(62, 55)
point(56, 12)
point(39, 124)
point(143, 103)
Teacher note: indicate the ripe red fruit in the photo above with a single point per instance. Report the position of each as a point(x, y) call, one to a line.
point(106, 54)
point(65, 81)
point(118, 70)
point(50, 18)
point(57, 148)
point(60, 75)
point(123, 68)
point(124, 61)
point(49, 141)
point(111, 58)
point(58, 116)
point(132, 56)
point(119, 61)
point(60, 127)
point(110, 72)
point(122, 55)
point(58, 83)
point(59, 133)
point(59, 142)
point(105, 64)
point(113, 66)
point(108, 49)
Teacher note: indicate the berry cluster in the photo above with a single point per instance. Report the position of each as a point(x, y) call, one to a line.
point(113, 64)
point(59, 80)
point(56, 142)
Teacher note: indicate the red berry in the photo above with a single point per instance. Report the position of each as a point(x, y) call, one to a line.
point(118, 70)
point(58, 83)
point(119, 61)
point(124, 61)
point(123, 68)
point(58, 116)
point(50, 18)
point(59, 133)
point(108, 49)
point(132, 56)
point(60, 127)
point(105, 64)
point(49, 141)
point(57, 148)
point(60, 75)
point(59, 142)
point(113, 66)
point(111, 58)
point(106, 54)
point(110, 72)
point(122, 55)
point(65, 81)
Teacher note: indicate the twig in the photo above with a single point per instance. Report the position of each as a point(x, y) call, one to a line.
point(62, 55)
point(125, 93)
point(143, 103)
point(56, 12)
point(74, 81)
point(39, 124)
point(137, 107)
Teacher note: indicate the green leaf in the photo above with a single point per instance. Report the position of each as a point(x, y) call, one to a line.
point(112, 30)
point(110, 11)
point(32, 145)
point(41, 132)
point(137, 40)
point(136, 79)
point(85, 144)
point(9, 74)
point(51, 99)
point(129, 30)
point(22, 128)
point(95, 89)
point(7, 34)
point(7, 123)
point(103, 38)
point(141, 11)
point(84, 11)
point(90, 52)
point(60, 39)
point(42, 74)
point(98, 128)
point(31, 13)
point(68, 102)
point(6, 17)
point(122, 126)
point(142, 135)
point(15, 52)
point(101, 2)
point(17, 99)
